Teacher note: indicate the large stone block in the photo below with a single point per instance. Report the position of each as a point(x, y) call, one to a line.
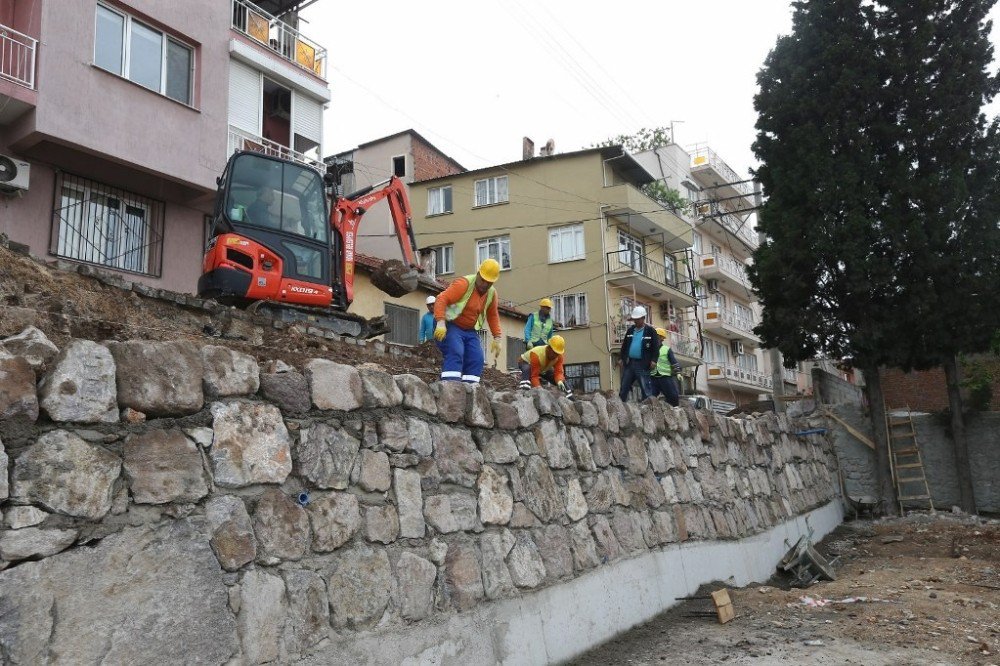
point(608, 548)
point(540, 492)
point(308, 610)
point(159, 378)
point(584, 549)
point(525, 562)
point(416, 394)
point(18, 396)
point(34, 542)
point(495, 547)
point(452, 513)
point(335, 518)
point(374, 471)
point(281, 526)
point(326, 455)
point(497, 447)
point(263, 608)
point(551, 439)
point(455, 453)
point(288, 390)
point(416, 586)
point(379, 389)
point(74, 607)
point(495, 500)
point(393, 433)
point(229, 372)
point(4, 473)
point(479, 413)
point(462, 584)
point(451, 401)
point(381, 524)
point(65, 474)
point(628, 531)
point(581, 448)
point(409, 503)
point(420, 441)
point(514, 410)
point(164, 466)
point(576, 504)
point(553, 543)
point(637, 458)
point(16, 517)
point(230, 531)
point(250, 444)
point(334, 385)
point(81, 388)
point(360, 587)
point(32, 345)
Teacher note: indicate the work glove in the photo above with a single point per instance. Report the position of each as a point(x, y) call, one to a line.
point(495, 348)
point(440, 331)
point(567, 390)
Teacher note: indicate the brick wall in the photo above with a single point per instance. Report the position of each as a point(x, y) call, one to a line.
point(428, 162)
point(925, 391)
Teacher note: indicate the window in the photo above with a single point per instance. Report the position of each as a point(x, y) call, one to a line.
point(515, 347)
point(404, 324)
point(696, 242)
point(630, 252)
point(444, 259)
point(129, 48)
point(491, 191)
point(494, 248)
point(399, 166)
point(102, 225)
point(566, 243)
point(570, 310)
point(714, 352)
point(439, 200)
point(583, 377)
point(670, 269)
point(747, 361)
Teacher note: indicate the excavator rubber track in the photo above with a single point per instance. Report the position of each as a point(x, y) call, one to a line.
point(341, 323)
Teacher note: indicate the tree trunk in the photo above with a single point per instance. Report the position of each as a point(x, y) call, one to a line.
point(883, 473)
point(777, 381)
point(962, 467)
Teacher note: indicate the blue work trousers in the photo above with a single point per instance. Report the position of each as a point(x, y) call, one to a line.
point(463, 355)
point(633, 369)
point(667, 387)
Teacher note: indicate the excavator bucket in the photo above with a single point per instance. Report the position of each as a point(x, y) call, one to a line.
point(395, 278)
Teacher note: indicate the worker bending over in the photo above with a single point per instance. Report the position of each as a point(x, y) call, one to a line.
point(539, 326)
point(667, 368)
point(427, 322)
point(545, 362)
point(460, 312)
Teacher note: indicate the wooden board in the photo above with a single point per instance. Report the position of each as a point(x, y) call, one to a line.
point(723, 606)
point(849, 428)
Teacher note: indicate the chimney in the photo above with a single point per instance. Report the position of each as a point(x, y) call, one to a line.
point(548, 149)
point(527, 148)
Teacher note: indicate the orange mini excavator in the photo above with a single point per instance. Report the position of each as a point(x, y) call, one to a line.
point(283, 244)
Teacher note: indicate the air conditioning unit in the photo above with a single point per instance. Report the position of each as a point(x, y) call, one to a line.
point(13, 174)
point(737, 347)
point(712, 285)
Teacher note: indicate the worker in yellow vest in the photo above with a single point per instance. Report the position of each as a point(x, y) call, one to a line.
point(460, 312)
point(545, 362)
point(538, 329)
point(665, 372)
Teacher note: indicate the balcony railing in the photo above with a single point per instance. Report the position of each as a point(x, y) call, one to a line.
point(734, 373)
point(790, 376)
point(278, 36)
point(17, 57)
point(724, 263)
point(631, 261)
point(730, 318)
point(240, 140)
point(705, 156)
point(683, 344)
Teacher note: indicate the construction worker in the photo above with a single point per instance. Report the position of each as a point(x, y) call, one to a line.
point(427, 322)
point(667, 368)
point(460, 312)
point(545, 362)
point(539, 327)
point(639, 353)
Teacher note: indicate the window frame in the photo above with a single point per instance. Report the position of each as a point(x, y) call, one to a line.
point(126, 57)
point(584, 380)
point(392, 165)
point(445, 209)
point(559, 310)
point(438, 258)
point(500, 241)
point(496, 189)
point(571, 228)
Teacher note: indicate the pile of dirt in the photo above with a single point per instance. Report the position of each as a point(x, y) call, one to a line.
point(65, 304)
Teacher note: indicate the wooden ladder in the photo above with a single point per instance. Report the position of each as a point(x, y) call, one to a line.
point(907, 465)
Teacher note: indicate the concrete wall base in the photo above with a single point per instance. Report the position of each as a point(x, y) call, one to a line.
point(561, 622)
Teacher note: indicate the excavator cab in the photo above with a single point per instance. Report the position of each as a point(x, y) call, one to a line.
point(272, 239)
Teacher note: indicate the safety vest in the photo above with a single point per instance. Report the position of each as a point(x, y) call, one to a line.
point(663, 367)
point(541, 330)
point(544, 365)
point(456, 309)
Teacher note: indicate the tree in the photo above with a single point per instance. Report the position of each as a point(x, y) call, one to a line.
point(651, 139)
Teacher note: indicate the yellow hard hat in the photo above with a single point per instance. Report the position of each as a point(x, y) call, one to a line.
point(545, 303)
point(662, 332)
point(558, 344)
point(489, 270)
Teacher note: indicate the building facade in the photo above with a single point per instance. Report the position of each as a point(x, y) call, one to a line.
point(119, 116)
point(577, 228)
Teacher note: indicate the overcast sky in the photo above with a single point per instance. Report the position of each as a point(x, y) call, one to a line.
point(474, 76)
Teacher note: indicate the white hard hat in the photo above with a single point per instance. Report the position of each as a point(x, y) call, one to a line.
point(431, 299)
point(638, 312)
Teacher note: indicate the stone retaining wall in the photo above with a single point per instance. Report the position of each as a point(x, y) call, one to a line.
point(171, 503)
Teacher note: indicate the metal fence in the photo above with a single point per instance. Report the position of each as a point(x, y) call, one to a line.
point(404, 324)
point(240, 140)
point(279, 37)
point(631, 261)
point(17, 57)
point(108, 226)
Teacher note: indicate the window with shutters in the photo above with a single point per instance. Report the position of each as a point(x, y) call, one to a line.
point(131, 49)
point(439, 200)
point(404, 324)
point(570, 310)
point(494, 248)
point(583, 377)
point(566, 243)
point(490, 191)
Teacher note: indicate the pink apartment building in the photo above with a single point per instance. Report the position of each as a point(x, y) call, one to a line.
point(118, 116)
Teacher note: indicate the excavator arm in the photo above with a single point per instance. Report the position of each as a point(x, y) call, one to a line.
point(394, 277)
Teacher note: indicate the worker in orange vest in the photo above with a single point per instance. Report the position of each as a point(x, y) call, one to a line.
point(460, 312)
point(545, 362)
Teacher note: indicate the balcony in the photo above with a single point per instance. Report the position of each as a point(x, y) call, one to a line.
point(713, 172)
point(736, 377)
point(638, 211)
point(730, 273)
point(648, 276)
point(730, 325)
point(790, 376)
point(17, 57)
point(279, 37)
point(720, 224)
point(685, 348)
point(240, 140)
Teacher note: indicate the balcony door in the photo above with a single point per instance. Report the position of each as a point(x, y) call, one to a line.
point(630, 252)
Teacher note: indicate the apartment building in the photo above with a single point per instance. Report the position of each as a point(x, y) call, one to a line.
point(406, 155)
point(575, 227)
point(719, 210)
point(117, 117)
